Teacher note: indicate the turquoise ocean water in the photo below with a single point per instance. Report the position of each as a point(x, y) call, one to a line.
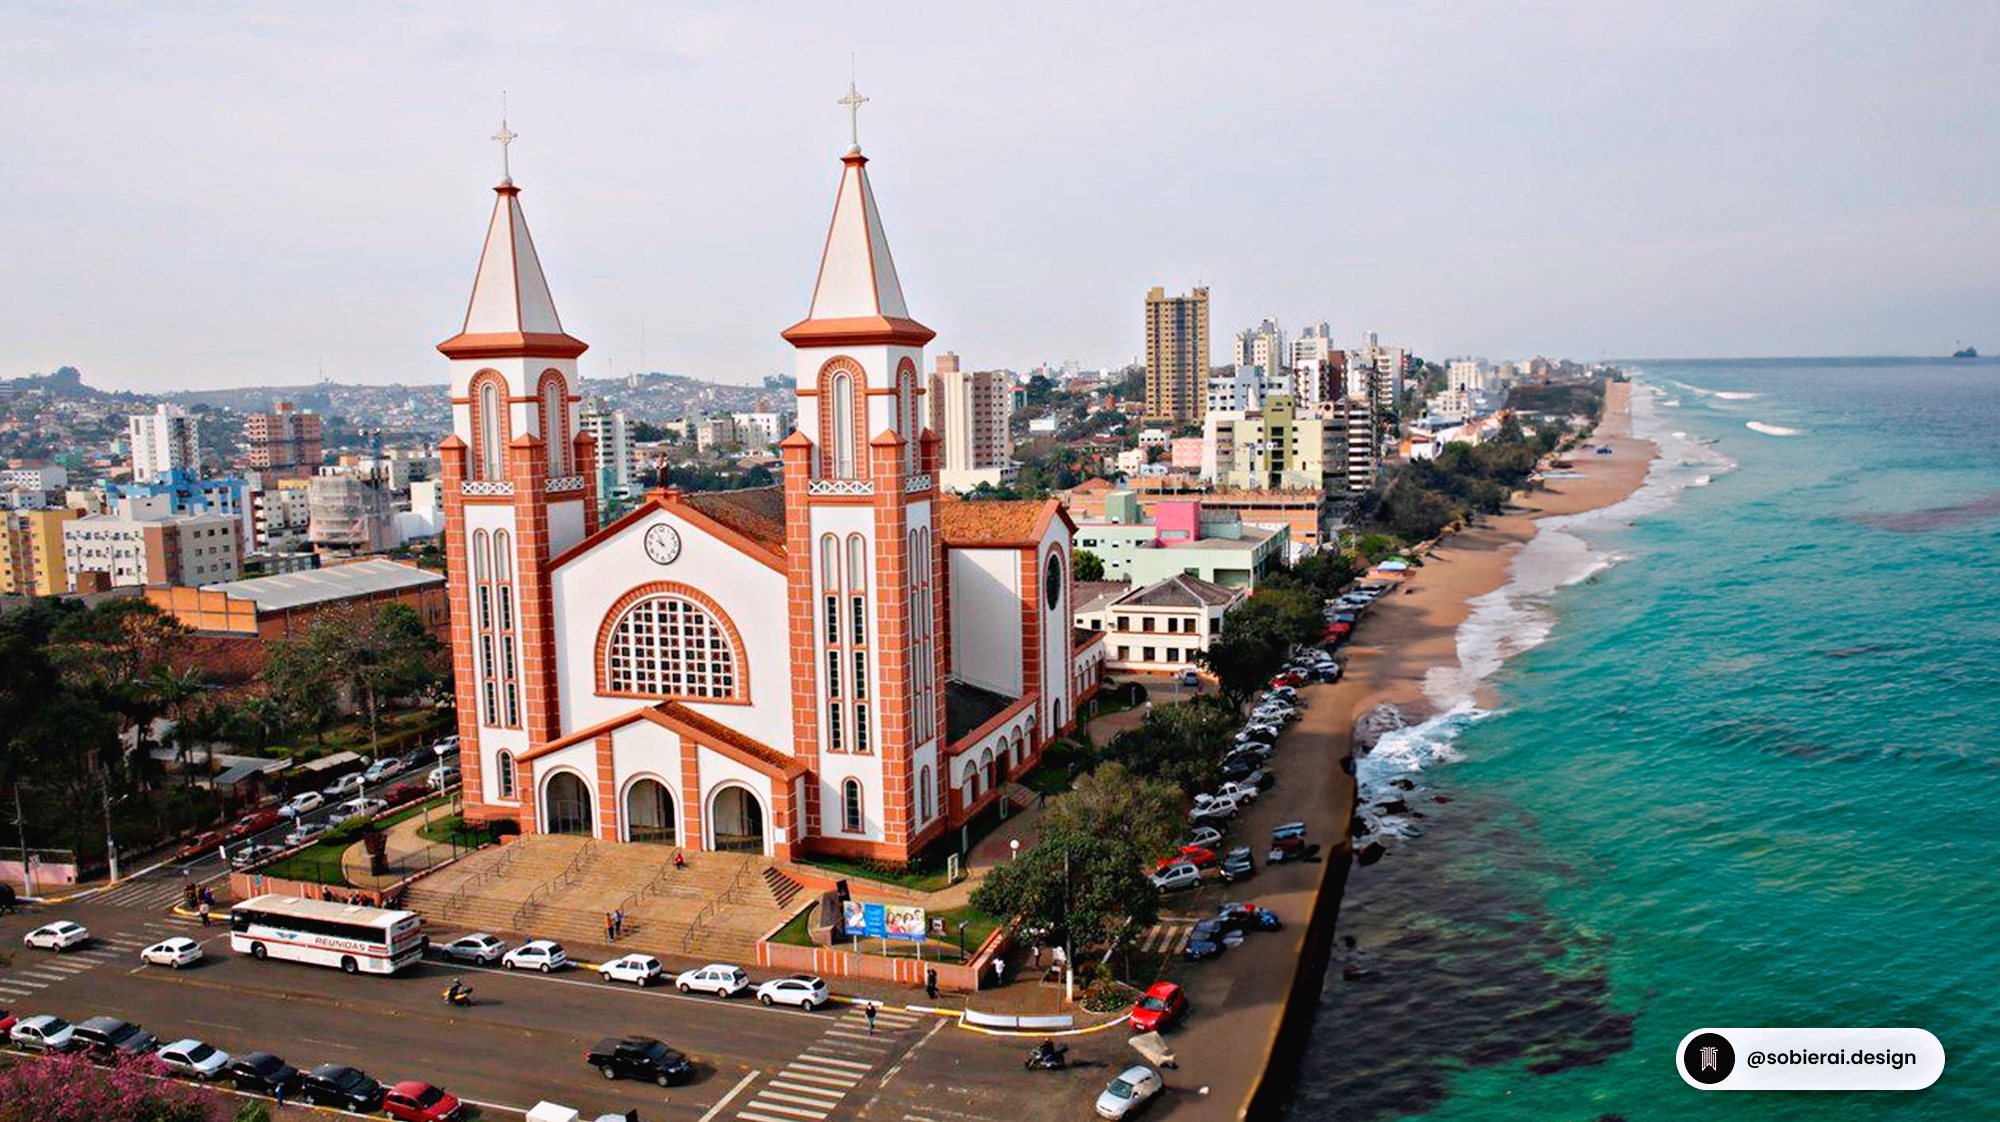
point(1739, 765)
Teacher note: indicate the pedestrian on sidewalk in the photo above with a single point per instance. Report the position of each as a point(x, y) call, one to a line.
point(930, 984)
point(618, 924)
point(999, 971)
point(1058, 960)
point(869, 1012)
point(1038, 956)
point(204, 913)
point(610, 928)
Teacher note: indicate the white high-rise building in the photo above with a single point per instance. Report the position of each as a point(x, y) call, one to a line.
point(1472, 375)
point(1378, 371)
point(162, 441)
point(1262, 345)
point(616, 460)
point(1245, 388)
point(971, 411)
point(1318, 369)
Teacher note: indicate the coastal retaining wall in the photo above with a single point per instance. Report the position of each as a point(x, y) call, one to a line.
point(1288, 1043)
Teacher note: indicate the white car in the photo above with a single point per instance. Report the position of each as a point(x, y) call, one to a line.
point(641, 970)
point(1207, 837)
point(802, 990)
point(305, 802)
point(1178, 875)
point(58, 936)
point(363, 807)
point(347, 786)
point(382, 769)
point(1227, 804)
point(1134, 1088)
point(1241, 792)
point(250, 855)
point(176, 952)
point(717, 978)
point(441, 776)
point(305, 832)
point(42, 1033)
point(194, 1059)
point(540, 954)
point(478, 948)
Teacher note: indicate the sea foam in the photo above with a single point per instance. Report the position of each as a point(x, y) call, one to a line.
point(1771, 430)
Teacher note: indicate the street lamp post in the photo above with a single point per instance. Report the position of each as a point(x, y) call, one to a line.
point(1013, 849)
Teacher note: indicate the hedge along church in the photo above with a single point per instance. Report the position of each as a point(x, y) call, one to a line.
point(845, 664)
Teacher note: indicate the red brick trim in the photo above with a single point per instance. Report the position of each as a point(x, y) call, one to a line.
point(601, 655)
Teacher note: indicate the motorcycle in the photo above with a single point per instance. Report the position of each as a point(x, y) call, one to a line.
point(460, 996)
point(1046, 1058)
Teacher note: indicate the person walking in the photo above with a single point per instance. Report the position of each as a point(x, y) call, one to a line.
point(869, 1012)
point(610, 928)
point(999, 971)
point(204, 913)
point(618, 924)
point(930, 984)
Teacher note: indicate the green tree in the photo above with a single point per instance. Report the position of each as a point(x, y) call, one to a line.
point(1182, 744)
point(1086, 565)
point(1084, 887)
point(1113, 801)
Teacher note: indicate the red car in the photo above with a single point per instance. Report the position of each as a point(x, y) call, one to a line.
point(1288, 679)
point(7, 1019)
point(404, 793)
point(416, 1101)
point(254, 822)
point(1162, 1005)
point(1200, 857)
point(200, 845)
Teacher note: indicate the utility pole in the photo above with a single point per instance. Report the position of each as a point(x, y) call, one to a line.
point(1069, 942)
point(21, 824)
point(110, 842)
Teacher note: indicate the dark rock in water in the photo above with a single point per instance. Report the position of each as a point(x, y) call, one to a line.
point(1440, 798)
point(1416, 814)
point(1393, 806)
point(1371, 853)
point(1347, 764)
point(1403, 784)
point(1485, 1052)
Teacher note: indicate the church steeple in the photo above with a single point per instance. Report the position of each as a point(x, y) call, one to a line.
point(857, 298)
point(511, 313)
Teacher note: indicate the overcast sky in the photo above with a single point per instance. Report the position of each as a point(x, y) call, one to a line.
point(196, 195)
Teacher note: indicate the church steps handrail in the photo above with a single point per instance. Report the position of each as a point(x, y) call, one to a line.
point(572, 872)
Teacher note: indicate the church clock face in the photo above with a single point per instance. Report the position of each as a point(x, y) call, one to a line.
point(663, 544)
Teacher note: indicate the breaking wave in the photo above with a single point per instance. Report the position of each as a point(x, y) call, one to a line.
point(1772, 430)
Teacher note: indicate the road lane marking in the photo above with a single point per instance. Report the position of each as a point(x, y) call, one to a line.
point(327, 1043)
point(724, 1101)
point(827, 1103)
point(794, 1072)
point(758, 1103)
point(893, 1071)
point(805, 1089)
point(216, 1024)
point(761, 1117)
point(855, 1064)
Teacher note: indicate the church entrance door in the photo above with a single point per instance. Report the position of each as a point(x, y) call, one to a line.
point(567, 805)
point(649, 814)
point(737, 819)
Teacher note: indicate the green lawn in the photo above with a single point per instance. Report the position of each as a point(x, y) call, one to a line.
point(920, 880)
point(320, 861)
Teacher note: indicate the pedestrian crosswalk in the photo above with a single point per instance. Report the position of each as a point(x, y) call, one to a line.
point(1165, 937)
point(148, 893)
point(812, 1086)
point(33, 971)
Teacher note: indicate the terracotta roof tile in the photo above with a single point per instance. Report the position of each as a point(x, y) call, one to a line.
point(758, 513)
point(979, 522)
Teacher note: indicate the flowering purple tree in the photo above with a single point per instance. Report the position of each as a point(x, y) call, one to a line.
point(72, 1089)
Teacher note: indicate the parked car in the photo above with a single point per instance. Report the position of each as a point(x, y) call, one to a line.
point(1161, 1005)
point(362, 807)
point(639, 1057)
point(263, 1073)
point(1287, 849)
point(305, 802)
point(1237, 767)
point(247, 856)
point(381, 769)
point(405, 793)
point(346, 787)
point(255, 822)
point(1215, 931)
point(1207, 837)
point(305, 832)
point(1240, 791)
point(479, 948)
point(200, 845)
point(7, 1021)
point(802, 990)
point(1201, 857)
point(717, 978)
point(193, 1059)
point(1249, 917)
point(538, 954)
point(1189, 679)
point(58, 936)
point(176, 952)
point(641, 970)
point(1200, 948)
point(341, 1087)
point(1237, 864)
point(42, 1032)
point(413, 1100)
point(1211, 814)
point(1211, 799)
point(1287, 679)
point(107, 1039)
point(1177, 876)
point(1133, 1089)
point(440, 777)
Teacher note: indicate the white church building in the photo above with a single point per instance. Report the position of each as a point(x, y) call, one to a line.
point(846, 664)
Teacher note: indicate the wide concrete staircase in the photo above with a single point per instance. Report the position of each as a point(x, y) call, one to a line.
point(555, 887)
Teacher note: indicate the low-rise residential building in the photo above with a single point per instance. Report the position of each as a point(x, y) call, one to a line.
point(280, 515)
point(1158, 628)
point(1181, 537)
point(182, 491)
point(33, 488)
point(109, 550)
point(31, 552)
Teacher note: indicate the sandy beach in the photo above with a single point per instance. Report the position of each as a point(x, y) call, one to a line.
point(1415, 629)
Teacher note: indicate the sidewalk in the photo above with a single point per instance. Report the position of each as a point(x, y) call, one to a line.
point(408, 853)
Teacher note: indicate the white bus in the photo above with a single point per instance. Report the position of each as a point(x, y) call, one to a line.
point(357, 939)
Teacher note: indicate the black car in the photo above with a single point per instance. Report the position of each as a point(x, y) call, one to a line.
point(1238, 864)
point(107, 1038)
point(340, 1086)
point(263, 1073)
point(1238, 767)
point(1199, 949)
point(1243, 917)
point(640, 1057)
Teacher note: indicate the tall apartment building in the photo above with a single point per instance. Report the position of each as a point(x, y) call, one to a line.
point(759, 431)
point(109, 550)
point(284, 443)
point(971, 411)
point(617, 462)
point(1262, 345)
point(1245, 388)
point(1176, 356)
point(1377, 371)
point(162, 441)
point(1356, 417)
point(1278, 448)
point(1319, 369)
point(31, 552)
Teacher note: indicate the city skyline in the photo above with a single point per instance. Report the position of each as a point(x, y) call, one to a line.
point(297, 193)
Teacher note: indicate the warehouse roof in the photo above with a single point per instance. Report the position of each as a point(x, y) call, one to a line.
point(320, 586)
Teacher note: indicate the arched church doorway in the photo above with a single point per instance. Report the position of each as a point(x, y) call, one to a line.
point(736, 820)
point(566, 805)
point(649, 814)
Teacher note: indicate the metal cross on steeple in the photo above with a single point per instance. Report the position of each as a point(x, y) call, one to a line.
point(854, 101)
point(505, 137)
